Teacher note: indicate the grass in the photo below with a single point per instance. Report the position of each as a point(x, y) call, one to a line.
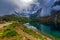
point(10, 31)
point(31, 32)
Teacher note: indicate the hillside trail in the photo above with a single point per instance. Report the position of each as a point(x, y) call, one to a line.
point(4, 24)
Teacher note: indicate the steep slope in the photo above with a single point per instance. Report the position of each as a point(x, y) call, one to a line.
point(17, 31)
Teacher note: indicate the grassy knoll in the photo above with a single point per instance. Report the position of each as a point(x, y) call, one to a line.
point(17, 31)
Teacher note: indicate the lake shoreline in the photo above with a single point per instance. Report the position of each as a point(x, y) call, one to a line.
point(39, 32)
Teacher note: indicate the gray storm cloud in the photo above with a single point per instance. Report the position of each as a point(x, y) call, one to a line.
point(8, 6)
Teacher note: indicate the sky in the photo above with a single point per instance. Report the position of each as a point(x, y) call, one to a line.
point(57, 7)
point(26, 6)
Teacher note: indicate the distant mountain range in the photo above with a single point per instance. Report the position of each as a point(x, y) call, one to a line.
point(46, 6)
point(38, 12)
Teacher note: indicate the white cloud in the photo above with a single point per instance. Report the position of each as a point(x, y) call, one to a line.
point(22, 4)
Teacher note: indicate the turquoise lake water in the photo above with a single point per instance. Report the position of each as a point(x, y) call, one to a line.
point(47, 29)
